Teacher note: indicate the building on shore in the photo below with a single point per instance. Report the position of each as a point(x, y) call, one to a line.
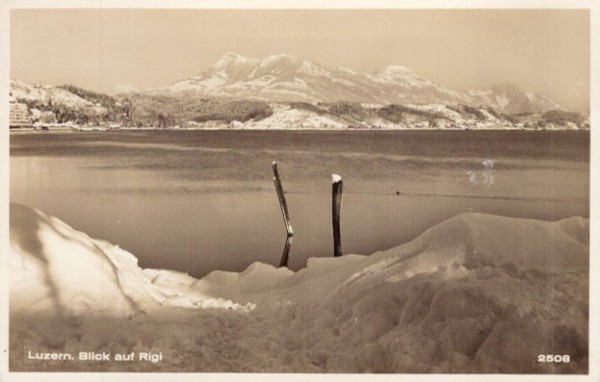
point(18, 115)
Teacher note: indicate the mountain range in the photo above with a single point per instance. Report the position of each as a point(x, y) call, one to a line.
point(282, 91)
point(293, 79)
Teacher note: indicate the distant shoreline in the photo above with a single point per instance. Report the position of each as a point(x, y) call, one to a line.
point(295, 129)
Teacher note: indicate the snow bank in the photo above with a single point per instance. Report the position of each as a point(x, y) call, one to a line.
point(476, 293)
point(473, 240)
point(55, 268)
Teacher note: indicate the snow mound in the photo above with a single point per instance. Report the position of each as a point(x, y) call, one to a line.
point(475, 240)
point(55, 268)
point(317, 267)
point(476, 293)
point(256, 277)
point(467, 241)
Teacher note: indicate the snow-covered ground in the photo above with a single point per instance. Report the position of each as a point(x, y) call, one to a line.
point(476, 293)
point(285, 117)
point(45, 94)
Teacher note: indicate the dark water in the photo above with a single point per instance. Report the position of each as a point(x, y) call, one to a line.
point(197, 201)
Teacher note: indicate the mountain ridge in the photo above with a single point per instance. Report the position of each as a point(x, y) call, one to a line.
point(68, 105)
point(290, 78)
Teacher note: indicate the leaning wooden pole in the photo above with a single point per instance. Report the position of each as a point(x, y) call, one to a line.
point(336, 209)
point(286, 251)
point(285, 214)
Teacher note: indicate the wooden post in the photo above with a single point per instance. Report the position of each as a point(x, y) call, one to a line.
point(285, 214)
point(286, 251)
point(336, 209)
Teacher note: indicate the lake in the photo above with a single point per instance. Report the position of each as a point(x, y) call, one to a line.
point(197, 201)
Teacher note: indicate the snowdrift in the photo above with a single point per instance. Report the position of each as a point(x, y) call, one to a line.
point(476, 293)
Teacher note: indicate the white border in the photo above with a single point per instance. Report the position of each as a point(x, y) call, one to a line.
point(594, 319)
point(4, 177)
point(303, 4)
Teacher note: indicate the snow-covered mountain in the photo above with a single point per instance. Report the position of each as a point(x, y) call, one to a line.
point(46, 94)
point(288, 78)
point(126, 89)
point(510, 99)
point(199, 104)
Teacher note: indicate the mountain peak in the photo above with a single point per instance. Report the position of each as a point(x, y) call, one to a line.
point(506, 87)
point(397, 69)
point(231, 58)
point(400, 75)
point(125, 89)
point(232, 54)
point(511, 99)
point(280, 59)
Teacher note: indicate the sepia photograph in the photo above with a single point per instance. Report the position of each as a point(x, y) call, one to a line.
point(297, 190)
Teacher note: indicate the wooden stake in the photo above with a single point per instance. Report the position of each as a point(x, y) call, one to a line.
point(282, 202)
point(286, 251)
point(285, 214)
point(336, 209)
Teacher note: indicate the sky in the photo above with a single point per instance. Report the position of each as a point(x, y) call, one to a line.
point(545, 51)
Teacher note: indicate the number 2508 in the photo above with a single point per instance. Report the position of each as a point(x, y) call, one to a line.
point(554, 358)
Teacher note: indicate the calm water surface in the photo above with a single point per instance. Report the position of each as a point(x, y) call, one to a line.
point(196, 201)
